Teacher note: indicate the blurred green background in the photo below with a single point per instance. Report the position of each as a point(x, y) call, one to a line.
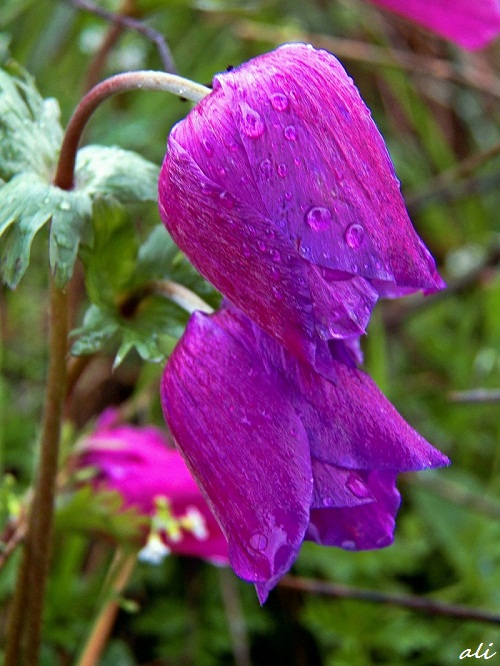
point(443, 133)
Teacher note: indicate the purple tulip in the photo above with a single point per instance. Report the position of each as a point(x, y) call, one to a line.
point(138, 463)
point(283, 454)
point(470, 23)
point(279, 189)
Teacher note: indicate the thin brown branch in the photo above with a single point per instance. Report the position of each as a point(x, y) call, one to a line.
point(420, 604)
point(475, 396)
point(372, 55)
point(131, 23)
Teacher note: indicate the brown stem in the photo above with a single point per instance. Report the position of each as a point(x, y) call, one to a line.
point(421, 604)
point(131, 23)
point(235, 617)
point(23, 640)
point(147, 80)
point(121, 570)
point(372, 55)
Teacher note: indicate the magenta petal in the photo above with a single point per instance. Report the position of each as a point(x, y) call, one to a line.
point(335, 487)
point(360, 527)
point(351, 424)
point(470, 23)
point(244, 444)
point(279, 189)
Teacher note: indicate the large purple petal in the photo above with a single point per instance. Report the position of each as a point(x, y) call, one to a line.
point(279, 189)
point(470, 23)
point(245, 446)
point(360, 527)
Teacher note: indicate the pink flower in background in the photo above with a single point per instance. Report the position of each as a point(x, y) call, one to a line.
point(138, 463)
point(470, 23)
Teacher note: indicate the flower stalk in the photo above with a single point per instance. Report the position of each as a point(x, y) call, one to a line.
point(25, 622)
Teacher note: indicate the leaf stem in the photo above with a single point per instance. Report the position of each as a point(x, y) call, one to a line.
point(122, 568)
point(146, 80)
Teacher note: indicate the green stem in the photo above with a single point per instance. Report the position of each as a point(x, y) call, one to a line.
point(25, 622)
point(146, 80)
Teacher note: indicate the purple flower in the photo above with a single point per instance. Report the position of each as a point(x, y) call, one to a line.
point(153, 478)
point(470, 23)
point(283, 454)
point(279, 189)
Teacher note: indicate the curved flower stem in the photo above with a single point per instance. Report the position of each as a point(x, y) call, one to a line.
point(425, 605)
point(146, 80)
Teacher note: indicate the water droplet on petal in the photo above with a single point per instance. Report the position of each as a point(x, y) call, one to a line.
point(258, 541)
point(354, 235)
point(288, 196)
point(261, 245)
point(282, 170)
point(221, 170)
point(251, 122)
point(323, 331)
point(275, 255)
point(207, 147)
point(304, 251)
point(64, 205)
point(275, 274)
point(280, 102)
point(348, 545)
point(245, 250)
point(319, 218)
point(265, 168)
point(226, 199)
point(357, 487)
point(277, 293)
point(290, 133)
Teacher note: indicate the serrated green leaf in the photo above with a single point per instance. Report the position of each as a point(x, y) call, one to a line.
point(98, 331)
point(30, 132)
point(121, 174)
point(27, 203)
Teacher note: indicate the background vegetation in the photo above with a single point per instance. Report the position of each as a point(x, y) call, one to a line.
point(437, 107)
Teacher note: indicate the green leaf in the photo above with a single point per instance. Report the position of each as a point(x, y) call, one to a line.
point(27, 203)
point(110, 262)
point(88, 510)
point(121, 174)
point(30, 132)
point(99, 332)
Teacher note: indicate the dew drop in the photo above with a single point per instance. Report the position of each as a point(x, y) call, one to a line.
point(251, 123)
point(282, 170)
point(261, 245)
point(275, 274)
point(290, 133)
point(304, 251)
point(288, 196)
point(64, 205)
point(319, 218)
point(258, 541)
point(280, 102)
point(348, 545)
point(275, 255)
point(277, 293)
point(323, 331)
point(221, 170)
point(357, 487)
point(245, 250)
point(265, 168)
point(226, 199)
point(207, 147)
point(354, 236)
